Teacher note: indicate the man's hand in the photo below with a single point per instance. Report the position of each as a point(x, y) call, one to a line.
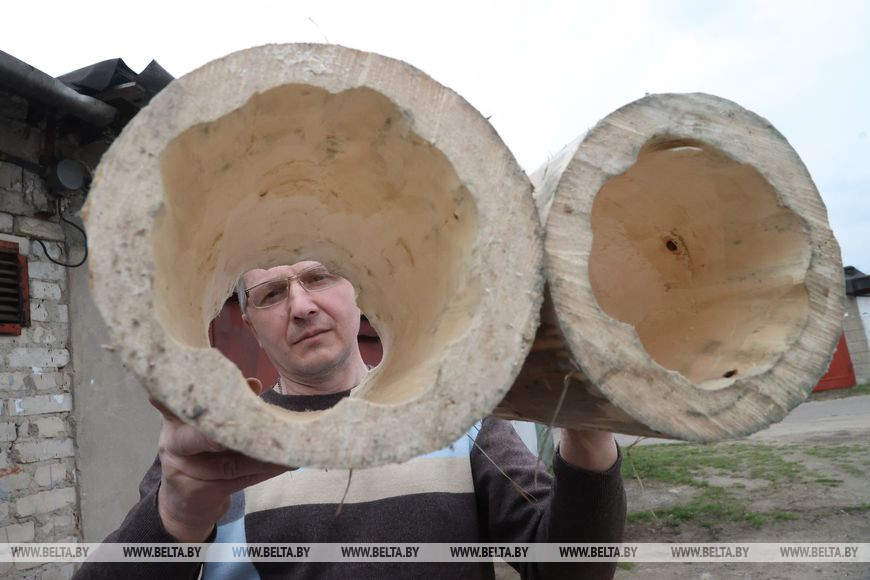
point(199, 475)
point(592, 450)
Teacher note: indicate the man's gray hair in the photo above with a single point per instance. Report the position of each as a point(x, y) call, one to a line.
point(240, 292)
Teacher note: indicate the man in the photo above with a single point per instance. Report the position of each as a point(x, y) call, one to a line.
point(480, 489)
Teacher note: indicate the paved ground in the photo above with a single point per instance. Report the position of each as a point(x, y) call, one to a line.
point(850, 415)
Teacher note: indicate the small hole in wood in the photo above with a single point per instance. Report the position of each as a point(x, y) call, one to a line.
point(671, 245)
point(730, 374)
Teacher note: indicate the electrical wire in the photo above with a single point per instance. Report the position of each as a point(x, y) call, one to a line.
point(84, 235)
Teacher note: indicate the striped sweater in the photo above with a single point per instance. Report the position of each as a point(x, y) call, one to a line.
point(455, 495)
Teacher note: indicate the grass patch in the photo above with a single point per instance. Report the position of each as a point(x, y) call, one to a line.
point(849, 468)
point(855, 391)
point(781, 516)
point(710, 513)
point(644, 517)
point(834, 451)
point(691, 464)
point(688, 464)
point(856, 509)
point(846, 458)
point(710, 507)
point(625, 565)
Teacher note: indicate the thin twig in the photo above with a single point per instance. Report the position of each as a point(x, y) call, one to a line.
point(635, 442)
point(637, 473)
point(539, 464)
point(631, 463)
point(346, 489)
point(528, 497)
point(317, 26)
point(548, 432)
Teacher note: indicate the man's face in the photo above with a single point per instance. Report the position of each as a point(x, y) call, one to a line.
point(310, 335)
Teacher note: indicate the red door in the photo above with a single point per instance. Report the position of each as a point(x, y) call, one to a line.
point(841, 374)
point(229, 335)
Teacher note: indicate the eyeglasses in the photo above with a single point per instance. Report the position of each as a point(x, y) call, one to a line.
point(314, 279)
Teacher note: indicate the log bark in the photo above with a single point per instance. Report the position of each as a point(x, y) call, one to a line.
point(696, 289)
point(289, 152)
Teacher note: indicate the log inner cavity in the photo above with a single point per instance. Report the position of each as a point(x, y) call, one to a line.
point(300, 173)
point(696, 251)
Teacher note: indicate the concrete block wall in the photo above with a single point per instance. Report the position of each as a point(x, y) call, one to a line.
point(856, 326)
point(38, 491)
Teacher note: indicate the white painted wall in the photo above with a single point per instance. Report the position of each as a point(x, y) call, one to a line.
point(864, 312)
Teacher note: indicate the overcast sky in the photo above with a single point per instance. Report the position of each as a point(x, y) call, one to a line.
point(544, 71)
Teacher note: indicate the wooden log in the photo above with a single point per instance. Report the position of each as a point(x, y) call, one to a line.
point(281, 153)
point(696, 287)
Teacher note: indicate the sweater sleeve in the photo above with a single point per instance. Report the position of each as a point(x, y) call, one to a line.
point(575, 506)
point(142, 525)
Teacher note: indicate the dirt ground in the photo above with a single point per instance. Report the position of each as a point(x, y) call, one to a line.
point(811, 488)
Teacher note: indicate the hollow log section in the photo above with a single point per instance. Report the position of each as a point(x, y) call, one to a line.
point(696, 288)
point(281, 153)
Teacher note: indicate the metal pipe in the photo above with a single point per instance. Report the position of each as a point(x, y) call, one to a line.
point(27, 81)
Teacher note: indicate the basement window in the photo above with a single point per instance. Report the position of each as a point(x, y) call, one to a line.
point(14, 290)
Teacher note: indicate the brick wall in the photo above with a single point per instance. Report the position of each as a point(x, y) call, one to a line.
point(38, 492)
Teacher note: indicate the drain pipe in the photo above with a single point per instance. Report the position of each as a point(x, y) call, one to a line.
point(27, 81)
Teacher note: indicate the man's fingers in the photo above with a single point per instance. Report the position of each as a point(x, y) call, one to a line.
point(208, 490)
point(225, 466)
point(187, 440)
point(179, 437)
point(259, 478)
point(167, 414)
